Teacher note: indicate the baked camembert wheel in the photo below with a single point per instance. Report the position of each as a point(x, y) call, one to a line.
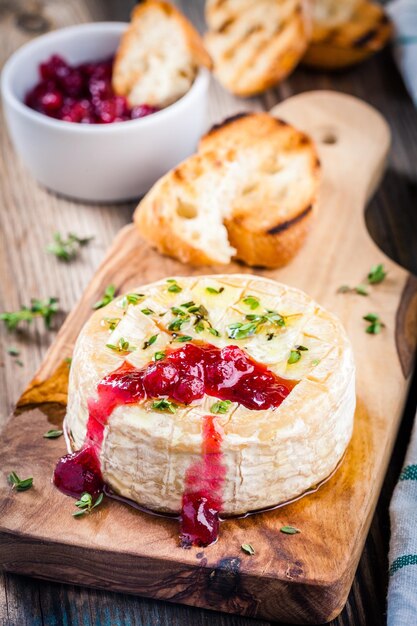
point(208, 396)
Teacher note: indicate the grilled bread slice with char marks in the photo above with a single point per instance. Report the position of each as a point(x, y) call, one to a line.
point(331, 13)
point(255, 44)
point(158, 57)
point(248, 193)
point(366, 31)
point(270, 455)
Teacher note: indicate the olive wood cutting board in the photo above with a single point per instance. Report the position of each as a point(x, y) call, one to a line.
point(301, 578)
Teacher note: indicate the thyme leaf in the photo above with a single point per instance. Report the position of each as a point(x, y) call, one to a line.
point(164, 405)
point(107, 297)
point(221, 407)
point(53, 434)
point(38, 308)
point(248, 548)
point(67, 249)
point(18, 484)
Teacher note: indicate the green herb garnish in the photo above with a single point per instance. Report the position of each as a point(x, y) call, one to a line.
point(67, 249)
point(344, 289)
point(85, 504)
point(174, 286)
point(377, 273)
point(251, 301)
point(13, 351)
point(108, 296)
point(221, 407)
point(38, 308)
point(295, 355)
point(361, 290)
point(214, 291)
point(111, 322)
point(158, 356)
point(122, 346)
point(199, 326)
point(176, 323)
point(147, 311)
point(375, 325)
point(164, 405)
point(183, 338)
point(289, 530)
point(149, 342)
point(248, 548)
point(254, 324)
point(68, 361)
point(18, 484)
point(131, 298)
point(53, 434)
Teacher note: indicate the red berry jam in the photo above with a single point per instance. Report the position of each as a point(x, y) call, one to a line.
point(81, 93)
point(202, 498)
point(184, 376)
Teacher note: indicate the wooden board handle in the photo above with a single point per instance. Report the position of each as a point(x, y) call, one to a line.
point(352, 137)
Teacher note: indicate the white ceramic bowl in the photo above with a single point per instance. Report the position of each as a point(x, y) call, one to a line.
point(102, 162)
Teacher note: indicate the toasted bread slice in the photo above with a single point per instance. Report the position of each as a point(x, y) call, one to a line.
point(367, 31)
point(255, 44)
point(331, 13)
point(158, 56)
point(248, 193)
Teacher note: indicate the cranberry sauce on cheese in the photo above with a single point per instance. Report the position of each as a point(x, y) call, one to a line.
point(178, 376)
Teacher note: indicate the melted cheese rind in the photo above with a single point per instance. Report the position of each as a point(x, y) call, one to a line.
point(270, 456)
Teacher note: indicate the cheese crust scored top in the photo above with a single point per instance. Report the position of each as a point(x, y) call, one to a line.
point(266, 456)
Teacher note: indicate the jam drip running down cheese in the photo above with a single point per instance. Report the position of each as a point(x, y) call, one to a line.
point(184, 376)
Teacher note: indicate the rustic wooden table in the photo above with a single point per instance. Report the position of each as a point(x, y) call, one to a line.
point(29, 215)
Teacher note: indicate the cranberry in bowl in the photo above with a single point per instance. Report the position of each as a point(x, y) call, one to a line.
point(79, 139)
point(81, 93)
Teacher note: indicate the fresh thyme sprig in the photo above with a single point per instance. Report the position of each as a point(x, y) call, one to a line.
point(295, 354)
point(149, 342)
point(164, 405)
point(376, 274)
point(131, 298)
point(53, 434)
point(254, 324)
point(220, 407)
point(85, 504)
point(248, 548)
point(173, 286)
point(38, 308)
point(252, 302)
point(18, 484)
point(67, 249)
point(375, 325)
point(214, 291)
point(108, 296)
point(289, 530)
point(122, 346)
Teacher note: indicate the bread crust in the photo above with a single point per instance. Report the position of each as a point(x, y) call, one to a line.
point(124, 81)
point(250, 53)
point(367, 31)
point(261, 229)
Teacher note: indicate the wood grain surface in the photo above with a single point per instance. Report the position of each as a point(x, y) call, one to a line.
point(29, 216)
